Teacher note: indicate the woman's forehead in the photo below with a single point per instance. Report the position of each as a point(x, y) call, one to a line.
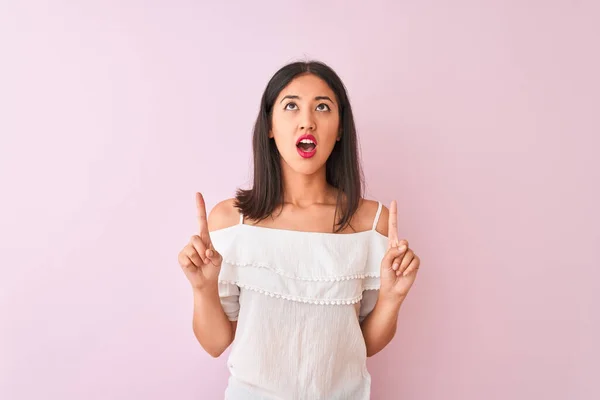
point(307, 86)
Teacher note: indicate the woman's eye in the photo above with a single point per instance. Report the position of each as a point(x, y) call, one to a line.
point(323, 107)
point(291, 106)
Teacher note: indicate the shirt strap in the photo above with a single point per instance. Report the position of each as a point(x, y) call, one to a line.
point(377, 216)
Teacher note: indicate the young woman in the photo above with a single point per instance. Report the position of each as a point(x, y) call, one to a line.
point(305, 274)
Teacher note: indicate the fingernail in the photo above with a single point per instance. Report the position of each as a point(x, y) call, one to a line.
point(210, 253)
point(402, 249)
point(395, 266)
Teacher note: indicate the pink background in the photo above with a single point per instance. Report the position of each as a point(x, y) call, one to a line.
point(480, 118)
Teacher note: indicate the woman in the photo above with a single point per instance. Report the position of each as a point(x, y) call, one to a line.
point(304, 273)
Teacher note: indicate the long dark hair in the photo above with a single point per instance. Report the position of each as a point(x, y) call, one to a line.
point(343, 170)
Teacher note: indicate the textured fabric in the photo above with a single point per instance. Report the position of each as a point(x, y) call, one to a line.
point(298, 298)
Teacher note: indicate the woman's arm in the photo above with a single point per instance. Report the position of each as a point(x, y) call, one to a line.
point(398, 272)
point(211, 325)
point(379, 327)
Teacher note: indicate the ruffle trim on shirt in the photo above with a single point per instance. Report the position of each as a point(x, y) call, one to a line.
point(282, 272)
point(295, 298)
point(275, 285)
point(300, 266)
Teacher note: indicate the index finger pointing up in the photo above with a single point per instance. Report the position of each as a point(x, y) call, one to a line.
point(201, 214)
point(393, 225)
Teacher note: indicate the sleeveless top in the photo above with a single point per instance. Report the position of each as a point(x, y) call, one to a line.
point(299, 298)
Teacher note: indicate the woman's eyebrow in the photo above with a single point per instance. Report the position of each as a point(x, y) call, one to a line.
point(323, 98)
point(289, 96)
point(293, 96)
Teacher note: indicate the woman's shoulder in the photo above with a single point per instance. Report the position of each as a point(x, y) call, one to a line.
point(223, 215)
point(366, 214)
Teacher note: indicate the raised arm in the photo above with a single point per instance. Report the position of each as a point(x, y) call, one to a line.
point(201, 264)
point(398, 272)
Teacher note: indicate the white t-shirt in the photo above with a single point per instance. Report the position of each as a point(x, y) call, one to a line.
point(299, 298)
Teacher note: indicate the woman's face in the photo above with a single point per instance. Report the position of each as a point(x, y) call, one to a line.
point(306, 108)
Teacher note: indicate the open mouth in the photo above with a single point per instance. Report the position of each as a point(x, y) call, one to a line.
point(307, 146)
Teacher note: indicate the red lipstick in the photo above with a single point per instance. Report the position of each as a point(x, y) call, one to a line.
point(306, 145)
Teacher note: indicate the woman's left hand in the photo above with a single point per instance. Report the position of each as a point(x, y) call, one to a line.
point(400, 264)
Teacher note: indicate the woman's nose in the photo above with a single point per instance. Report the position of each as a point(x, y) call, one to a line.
point(308, 127)
point(307, 122)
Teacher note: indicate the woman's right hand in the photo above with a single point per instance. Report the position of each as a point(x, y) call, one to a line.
point(199, 260)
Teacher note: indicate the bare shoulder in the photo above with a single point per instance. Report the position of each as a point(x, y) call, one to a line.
point(365, 215)
point(382, 225)
point(223, 215)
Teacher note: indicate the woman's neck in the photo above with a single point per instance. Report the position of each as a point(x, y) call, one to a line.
point(303, 190)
